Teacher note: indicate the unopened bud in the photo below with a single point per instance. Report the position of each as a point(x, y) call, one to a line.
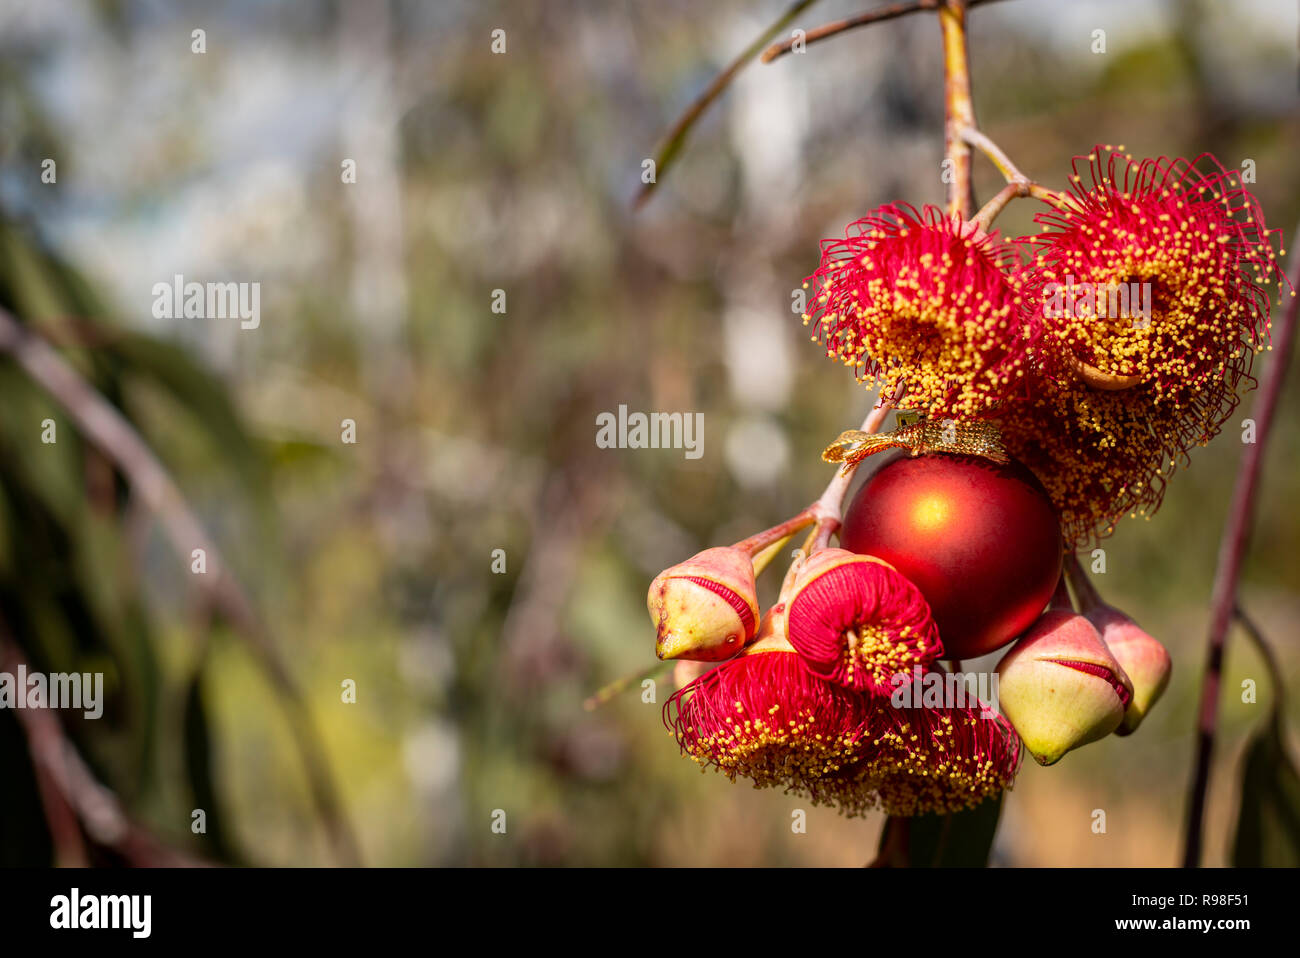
point(705, 608)
point(1061, 687)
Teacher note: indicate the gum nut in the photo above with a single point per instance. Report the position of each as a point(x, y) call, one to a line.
point(705, 608)
point(1061, 687)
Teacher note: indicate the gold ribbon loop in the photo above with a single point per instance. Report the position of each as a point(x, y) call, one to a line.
point(971, 437)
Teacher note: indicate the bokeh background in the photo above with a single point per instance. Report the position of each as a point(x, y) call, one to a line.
point(375, 562)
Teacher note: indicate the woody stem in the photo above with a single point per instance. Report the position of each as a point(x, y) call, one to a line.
point(1008, 169)
point(830, 505)
point(824, 514)
point(1232, 555)
point(1023, 185)
point(761, 540)
point(959, 109)
point(990, 210)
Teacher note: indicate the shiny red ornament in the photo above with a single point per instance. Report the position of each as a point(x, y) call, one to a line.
point(980, 540)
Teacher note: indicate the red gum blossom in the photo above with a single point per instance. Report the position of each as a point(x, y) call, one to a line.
point(1101, 672)
point(858, 595)
point(731, 597)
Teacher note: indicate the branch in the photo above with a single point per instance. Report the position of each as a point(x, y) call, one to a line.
point(829, 506)
point(1232, 551)
point(958, 108)
point(676, 136)
point(995, 153)
point(110, 432)
point(1256, 634)
point(990, 210)
point(75, 802)
point(878, 15)
point(1011, 173)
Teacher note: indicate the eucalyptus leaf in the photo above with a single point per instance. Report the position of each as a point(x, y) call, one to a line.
point(1268, 823)
point(960, 840)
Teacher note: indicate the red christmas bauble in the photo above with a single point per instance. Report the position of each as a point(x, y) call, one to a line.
point(980, 540)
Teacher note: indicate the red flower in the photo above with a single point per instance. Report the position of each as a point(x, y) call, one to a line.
point(858, 622)
point(765, 717)
point(1153, 274)
point(940, 760)
point(924, 303)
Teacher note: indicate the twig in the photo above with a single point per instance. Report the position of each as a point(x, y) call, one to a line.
point(990, 210)
point(761, 542)
point(110, 432)
point(616, 688)
point(995, 153)
point(829, 501)
point(959, 109)
point(824, 514)
point(74, 800)
point(1266, 653)
point(1232, 551)
point(878, 15)
point(1010, 172)
point(676, 136)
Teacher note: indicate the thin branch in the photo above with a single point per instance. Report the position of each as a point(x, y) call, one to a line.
point(75, 801)
point(761, 541)
point(110, 432)
point(830, 504)
point(1232, 552)
point(677, 133)
point(824, 514)
point(878, 15)
point(995, 153)
point(958, 107)
point(1266, 653)
point(1010, 172)
point(990, 210)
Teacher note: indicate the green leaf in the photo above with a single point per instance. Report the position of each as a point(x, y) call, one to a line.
point(1268, 824)
point(198, 767)
point(24, 836)
point(960, 840)
point(170, 368)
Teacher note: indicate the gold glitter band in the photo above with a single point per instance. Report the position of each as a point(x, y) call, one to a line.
point(971, 437)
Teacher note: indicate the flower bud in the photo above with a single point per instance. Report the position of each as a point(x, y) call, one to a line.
point(1061, 687)
point(1143, 659)
point(771, 637)
point(705, 608)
